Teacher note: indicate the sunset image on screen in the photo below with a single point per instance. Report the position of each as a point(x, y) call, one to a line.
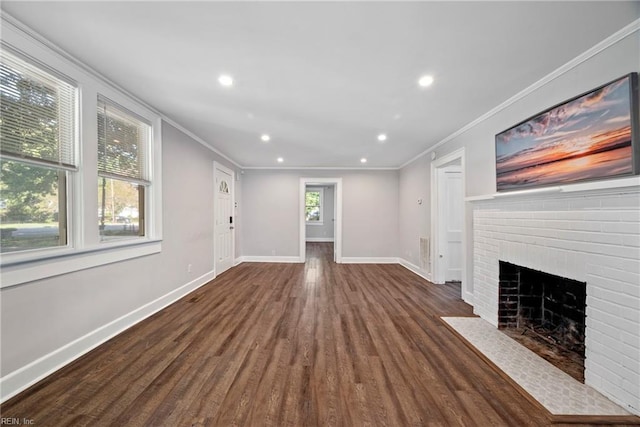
point(586, 138)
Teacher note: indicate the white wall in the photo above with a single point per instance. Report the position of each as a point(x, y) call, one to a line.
point(323, 232)
point(38, 319)
point(271, 212)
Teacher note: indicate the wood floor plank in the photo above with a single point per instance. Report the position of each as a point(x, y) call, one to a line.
point(314, 344)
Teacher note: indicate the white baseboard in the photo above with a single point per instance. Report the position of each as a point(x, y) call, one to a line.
point(415, 269)
point(22, 378)
point(318, 239)
point(369, 260)
point(285, 259)
point(468, 298)
point(238, 261)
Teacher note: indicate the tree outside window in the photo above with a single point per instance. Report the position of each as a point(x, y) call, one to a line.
point(122, 172)
point(37, 152)
point(313, 206)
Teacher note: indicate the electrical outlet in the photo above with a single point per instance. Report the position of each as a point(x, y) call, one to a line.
point(189, 268)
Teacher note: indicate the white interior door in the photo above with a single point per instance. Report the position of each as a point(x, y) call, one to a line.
point(450, 203)
point(223, 219)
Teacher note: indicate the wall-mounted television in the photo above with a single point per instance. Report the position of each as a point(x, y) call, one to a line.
point(592, 136)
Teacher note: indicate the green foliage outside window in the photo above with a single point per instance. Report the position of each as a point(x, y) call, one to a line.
point(312, 206)
point(25, 190)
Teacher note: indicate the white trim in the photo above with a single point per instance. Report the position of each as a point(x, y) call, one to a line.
point(609, 41)
point(369, 260)
point(467, 297)
point(414, 269)
point(337, 247)
point(35, 36)
point(583, 188)
point(238, 261)
point(283, 259)
point(435, 165)
point(319, 239)
point(85, 250)
point(24, 377)
point(200, 140)
point(583, 57)
point(73, 260)
point(320, 168)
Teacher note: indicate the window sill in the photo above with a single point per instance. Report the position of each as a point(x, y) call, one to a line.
point(65, 261)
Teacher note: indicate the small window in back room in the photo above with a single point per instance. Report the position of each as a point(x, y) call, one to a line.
point(313, 205)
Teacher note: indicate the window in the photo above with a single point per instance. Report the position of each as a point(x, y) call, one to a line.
point(313, 205)
point(38, 140)
point(123, 145)
point(72, 196)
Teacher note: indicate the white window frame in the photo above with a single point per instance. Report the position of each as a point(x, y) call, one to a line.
point(84, 249)
point(321, 191)
point(144, 180)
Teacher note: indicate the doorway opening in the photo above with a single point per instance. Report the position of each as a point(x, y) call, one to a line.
point(448, 221)
point(321, 215)
point(320, 219)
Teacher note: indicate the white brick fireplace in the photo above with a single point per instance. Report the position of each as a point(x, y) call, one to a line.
point(581, 233)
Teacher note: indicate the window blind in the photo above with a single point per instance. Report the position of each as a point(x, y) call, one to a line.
point(123, 143)
point(37, 114)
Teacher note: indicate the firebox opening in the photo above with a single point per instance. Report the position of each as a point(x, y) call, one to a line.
point(546, 313)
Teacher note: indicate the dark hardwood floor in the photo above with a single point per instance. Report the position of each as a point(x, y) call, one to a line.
point(288, 345)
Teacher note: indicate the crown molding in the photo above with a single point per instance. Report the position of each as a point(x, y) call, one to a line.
point(583, 57)
point(321, 168)
point(38, 38)
point(606, 43)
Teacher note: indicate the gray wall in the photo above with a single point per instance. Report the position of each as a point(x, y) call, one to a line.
point(42, 316)
point(271, 212)
point(324, 231)
point(613, 62)
point(415, 182)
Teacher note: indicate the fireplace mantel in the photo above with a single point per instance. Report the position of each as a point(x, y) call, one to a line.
point(580, 189)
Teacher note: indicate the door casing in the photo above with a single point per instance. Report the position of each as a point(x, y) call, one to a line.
point(456, 157)
point(449, 258)
point(337, 242)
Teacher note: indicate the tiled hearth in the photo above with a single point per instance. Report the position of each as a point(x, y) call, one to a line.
point(559, 393)
point(588, 236)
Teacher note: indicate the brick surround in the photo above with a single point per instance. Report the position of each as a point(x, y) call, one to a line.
point(589, 236)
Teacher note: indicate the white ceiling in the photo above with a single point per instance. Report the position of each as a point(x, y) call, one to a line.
point(323, 79)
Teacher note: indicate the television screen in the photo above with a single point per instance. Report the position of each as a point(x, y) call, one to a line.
point(588, 137)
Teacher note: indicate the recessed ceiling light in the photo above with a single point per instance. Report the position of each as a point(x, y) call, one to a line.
point(363, 160)
point(382, 137)
point(425, 81)
point(265, 137)
point(280, 160)
point(225, 80)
